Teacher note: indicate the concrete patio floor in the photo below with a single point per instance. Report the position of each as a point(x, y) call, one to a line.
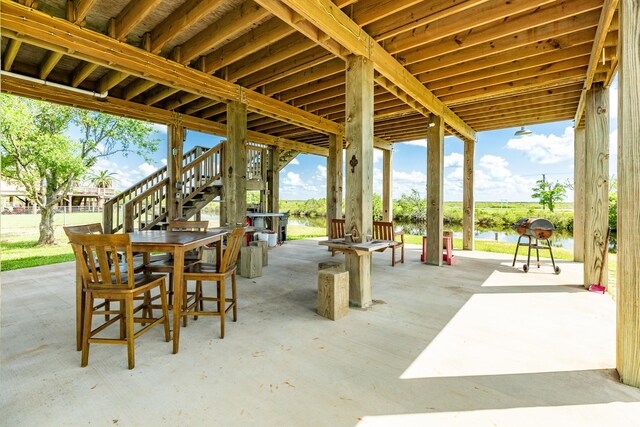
point(476, 343)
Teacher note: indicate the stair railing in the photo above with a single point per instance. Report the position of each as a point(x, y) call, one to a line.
point(201, 173)
point(114, 209)
point(147, 209)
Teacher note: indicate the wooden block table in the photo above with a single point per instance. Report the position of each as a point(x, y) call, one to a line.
point(333, 293)
point(250, 261)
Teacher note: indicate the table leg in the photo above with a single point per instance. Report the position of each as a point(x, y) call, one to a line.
point(178, 267)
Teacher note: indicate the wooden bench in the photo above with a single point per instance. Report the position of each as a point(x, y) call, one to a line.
point(382, 230)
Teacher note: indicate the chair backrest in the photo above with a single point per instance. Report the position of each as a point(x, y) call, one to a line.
point(383, 230)
point(230, 256)
point(95, 228)
point(337, 228)
point(176, 225)
point(97, 256)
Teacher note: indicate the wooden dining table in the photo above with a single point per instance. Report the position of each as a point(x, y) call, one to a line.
point(176, 243)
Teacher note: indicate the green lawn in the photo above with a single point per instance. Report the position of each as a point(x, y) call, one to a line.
point(19, 238)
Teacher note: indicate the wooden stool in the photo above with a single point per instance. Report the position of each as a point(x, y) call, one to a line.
point(265, 251)
point(250, 261)
point(331, 264)
point(333, 293)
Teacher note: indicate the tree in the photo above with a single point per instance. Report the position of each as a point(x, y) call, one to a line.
point(38, 153)
point(102, 178)
point(548, 194)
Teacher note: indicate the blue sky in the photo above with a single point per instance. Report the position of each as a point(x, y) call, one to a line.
point(507, 166)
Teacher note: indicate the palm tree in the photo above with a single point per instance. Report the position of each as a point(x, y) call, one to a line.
point(102, 179)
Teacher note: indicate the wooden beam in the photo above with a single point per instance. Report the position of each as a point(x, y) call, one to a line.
point(175, 144)
point(628, 274)
point(596, 199)
point(468, 203)
point(334, 180)
point(387, 185)
point(273, 179)
point(439, 27)
point(265, 34)
point(606, 16)
point(48, 64)
point(132, 110)
point(10, 54)
point(341, 28)
point(133, 13)
point(77, 10)
point(579, 186)
point(232, 23)
point(492, 41)
point(180, 20)
point(359, 171)
point(57, 34)
point(234, 169)
point(435, 190)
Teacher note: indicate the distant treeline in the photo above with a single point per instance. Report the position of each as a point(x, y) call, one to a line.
point(413, 208)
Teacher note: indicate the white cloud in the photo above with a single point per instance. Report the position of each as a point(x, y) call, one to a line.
point(377, 156)
point(418, 142)
point(453, 160)
point(496, 166)
point(164, 162)
point(294, 162)
point(545, 149)
point(292, 178)
point(147, 169)
point(322, 172)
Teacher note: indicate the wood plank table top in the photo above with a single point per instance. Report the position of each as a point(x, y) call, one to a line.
point(358, 248)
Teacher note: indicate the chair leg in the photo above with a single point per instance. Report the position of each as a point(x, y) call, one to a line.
point(107, 307)
point(234, 296)
point(131, 357)
point(393, 257)
point(86, 329)
point(123, 326)
point(402, 254)
point(165, 311)
point(221, 300)
point(170, 288)
point(198, 298)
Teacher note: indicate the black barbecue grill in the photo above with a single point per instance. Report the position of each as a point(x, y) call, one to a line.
point(534, 229)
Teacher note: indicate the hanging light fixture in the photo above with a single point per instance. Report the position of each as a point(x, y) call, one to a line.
point(522, 132)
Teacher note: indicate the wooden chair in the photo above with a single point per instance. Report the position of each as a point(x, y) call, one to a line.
point(384, 230)
point(97, 256)
point(202, 271)
point(94, 228)
point(165, 265)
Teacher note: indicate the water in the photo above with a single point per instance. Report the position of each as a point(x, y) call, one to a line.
point(560, 239)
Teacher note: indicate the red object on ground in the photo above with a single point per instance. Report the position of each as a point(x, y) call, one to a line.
point(447, 245)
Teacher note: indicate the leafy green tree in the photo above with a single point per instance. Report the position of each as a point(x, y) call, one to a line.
point(549, 193)
point(411, 207)
point(613, 204)
point(38, 153)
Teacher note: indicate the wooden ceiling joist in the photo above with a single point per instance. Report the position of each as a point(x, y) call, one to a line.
point(129, 109)
point(56, 34)
point(325, 15)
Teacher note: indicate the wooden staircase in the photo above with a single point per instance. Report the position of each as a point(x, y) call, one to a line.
point(143, 205)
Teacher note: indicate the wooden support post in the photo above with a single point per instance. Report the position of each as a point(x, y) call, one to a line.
point(234, 169)
point(359, 171)
point(435, 190)
point(334, 180)
point(175, 142)
point(273, 178)
point(387, 184)
point(578, 194)
point(628, 280)
point(264, 189)
point(596, 200)
point(468, 203)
